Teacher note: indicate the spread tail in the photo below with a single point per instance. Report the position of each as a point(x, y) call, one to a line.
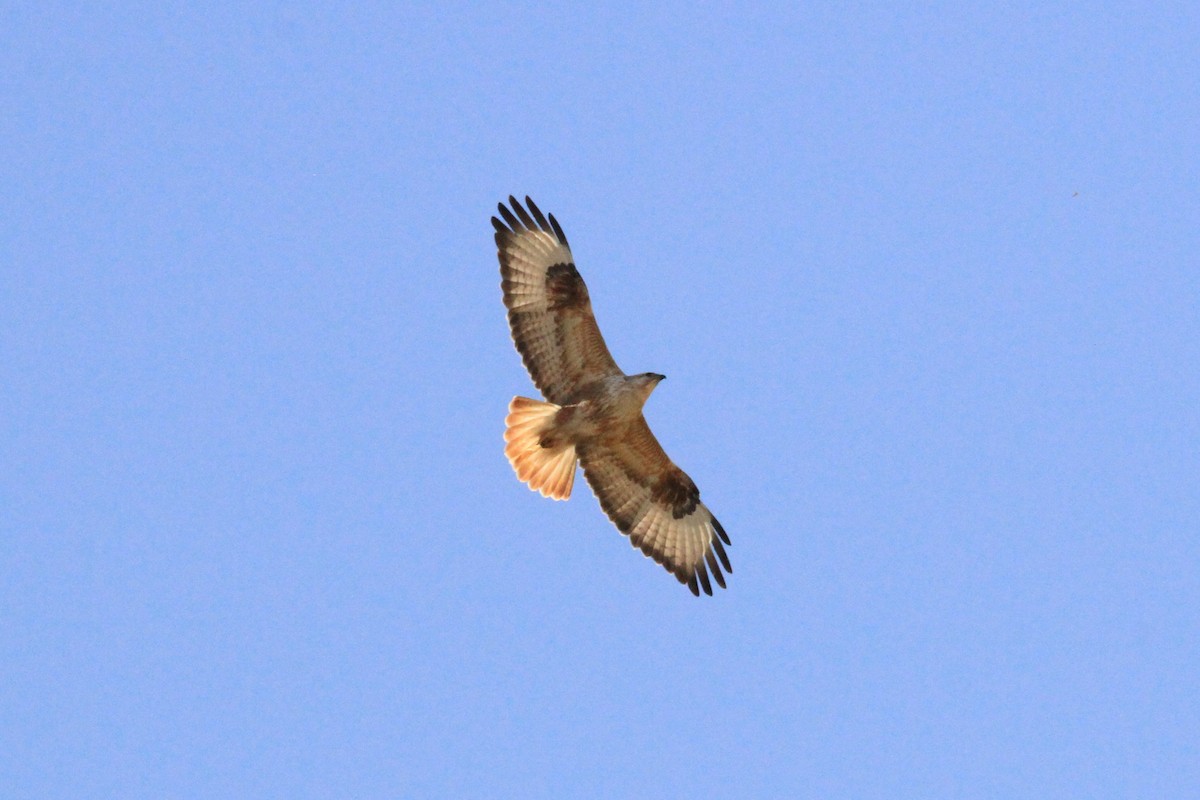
point(547, 466)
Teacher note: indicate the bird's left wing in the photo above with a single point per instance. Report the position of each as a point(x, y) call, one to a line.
point(548, 305)
point(657, 505)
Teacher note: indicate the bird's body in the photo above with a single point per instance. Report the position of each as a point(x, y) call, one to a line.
point(593, 413)
point(607, 408)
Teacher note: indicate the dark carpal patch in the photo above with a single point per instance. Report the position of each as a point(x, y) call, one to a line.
point(565, 288)
point(675, 490)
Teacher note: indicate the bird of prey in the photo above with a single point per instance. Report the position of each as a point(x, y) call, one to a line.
point(593, 410)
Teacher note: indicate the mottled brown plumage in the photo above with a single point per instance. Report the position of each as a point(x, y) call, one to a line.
point(594, 413)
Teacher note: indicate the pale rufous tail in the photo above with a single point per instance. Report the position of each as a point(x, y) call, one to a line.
point(549, 470)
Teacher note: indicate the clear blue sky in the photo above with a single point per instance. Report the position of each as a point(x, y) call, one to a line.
point(925, 284)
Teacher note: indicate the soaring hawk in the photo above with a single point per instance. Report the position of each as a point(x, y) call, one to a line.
point(594, 411)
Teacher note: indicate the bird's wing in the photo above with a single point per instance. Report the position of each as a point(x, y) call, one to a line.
point(656, 504)
point(548, 306)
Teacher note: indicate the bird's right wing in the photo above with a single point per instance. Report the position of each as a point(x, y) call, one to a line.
point(657, 505)
point(548, 306)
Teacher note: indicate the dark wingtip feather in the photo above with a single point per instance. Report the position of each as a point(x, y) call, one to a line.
point(537, 214)
point(558, 231)
point(691, 584)
point(512, 221)
point(721, 531)
point(703, 573)
point(716, 570)
point(499, 226)
point(720, 551)
point(523, 214)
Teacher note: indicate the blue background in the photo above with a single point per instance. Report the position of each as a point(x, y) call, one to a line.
point(925, 285)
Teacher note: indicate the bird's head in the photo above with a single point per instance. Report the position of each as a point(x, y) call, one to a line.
point(646, 383)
